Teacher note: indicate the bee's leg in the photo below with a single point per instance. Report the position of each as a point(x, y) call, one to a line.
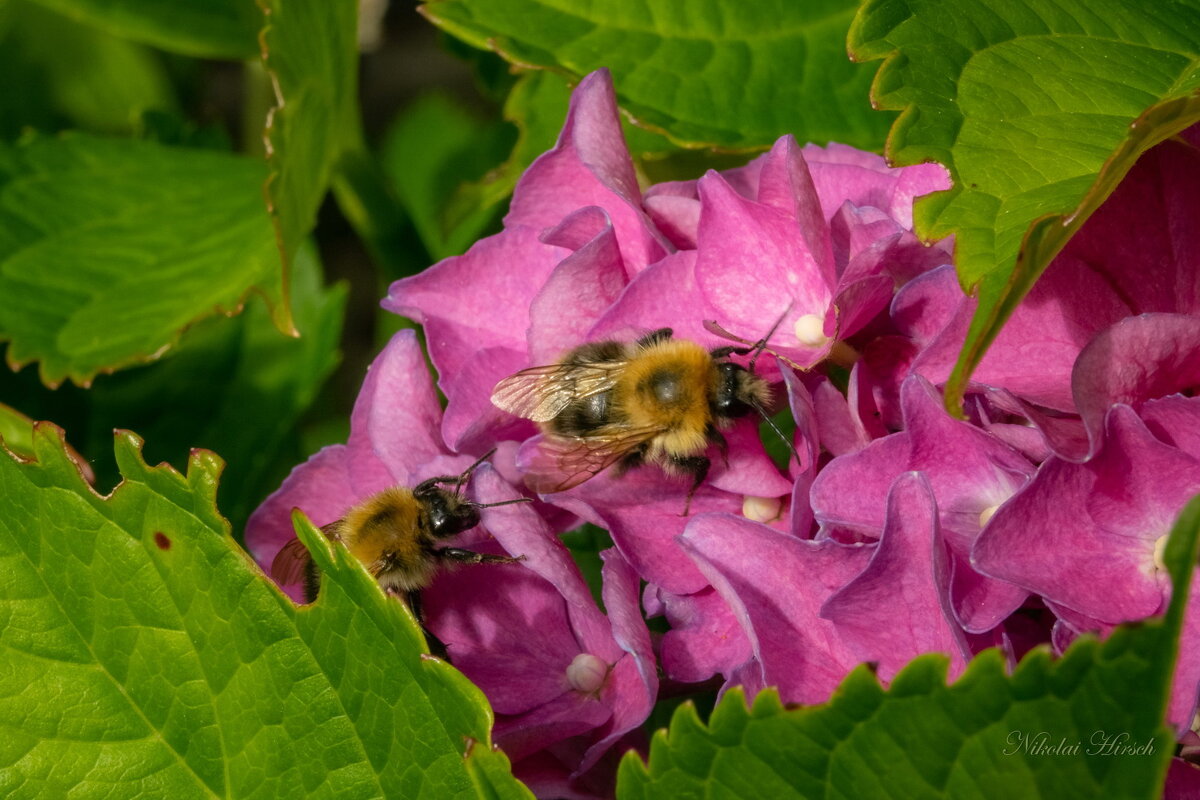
point(425, 487)
point(718, 438)
point(697, 467)
point(722, 352)
point(461, 556)
point(654, 337)
point(436, 646)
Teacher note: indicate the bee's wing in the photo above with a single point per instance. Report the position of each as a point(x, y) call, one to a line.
point(563, 462)
point(541, 393)
point(290, 563)
point(293, 558)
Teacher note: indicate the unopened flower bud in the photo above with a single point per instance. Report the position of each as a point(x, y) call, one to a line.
point(586, 673)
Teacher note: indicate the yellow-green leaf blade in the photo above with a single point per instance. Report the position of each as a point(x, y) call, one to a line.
point(145, 653)
point(109, 248)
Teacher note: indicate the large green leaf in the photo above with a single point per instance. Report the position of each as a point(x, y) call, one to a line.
point(233, 386)
point(203, 28)
point(56, 73)
point(16, 434)
point(1038, 108)
point(109, 248)
point(145, 655)
point(705, 72)
point(310, 48)
point(1037, 733)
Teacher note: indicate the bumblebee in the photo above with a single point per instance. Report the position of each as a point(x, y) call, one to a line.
point(658, 400)
point(395, 534)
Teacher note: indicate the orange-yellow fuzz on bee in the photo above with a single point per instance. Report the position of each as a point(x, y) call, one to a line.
point(683, 414)
point(390, 523)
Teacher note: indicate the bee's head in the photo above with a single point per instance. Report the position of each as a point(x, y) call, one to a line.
point(739, 391)
point(449, 512)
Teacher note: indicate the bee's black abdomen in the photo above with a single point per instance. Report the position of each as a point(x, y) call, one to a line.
point(312, 581)
point(585, 416)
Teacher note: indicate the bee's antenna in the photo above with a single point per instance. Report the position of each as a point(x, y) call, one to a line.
point(466, 473)
point(762, 412)
point(503, 503)
point(761, 344)
point(757, 348)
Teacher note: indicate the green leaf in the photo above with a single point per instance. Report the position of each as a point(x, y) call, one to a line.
point(310, 50)
point(922, 739)
point(1038, 108)
point(142, 649)
point(201, 28)
point(109, 248)
point(434, 147)
point(233, 386)
point(721, 73)
point(56, 73)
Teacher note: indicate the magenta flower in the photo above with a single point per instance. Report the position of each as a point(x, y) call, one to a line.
point(759, 571)
point(585, 256)
point(898, 607)
point(895, 529)
point(566, 682)
point(970, 473)
point(1088, 537)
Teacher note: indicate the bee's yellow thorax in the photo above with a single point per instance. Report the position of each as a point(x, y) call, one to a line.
point(668, 386)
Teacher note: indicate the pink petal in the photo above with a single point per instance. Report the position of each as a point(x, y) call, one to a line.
point(1083, 535)
point(750, 471)
point(643, 512)
point(1183, 781)
point(570, 714)
point(522, 532)
point(507, 629)
point(1176, 421)
point(1137, 359)
point(677, 217)
point(664, 295)
point(897, 607)
point(753, 265)
point(705, 638)
point(785, 183)
point(579, 290)
point(472, 422)
point(481, 297)
point(632, 685)
point(396, 415)
point(844, 173)
point(589, 166)
point(756, 570)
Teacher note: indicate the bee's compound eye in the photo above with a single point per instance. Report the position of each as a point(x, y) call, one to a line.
point(586, 673)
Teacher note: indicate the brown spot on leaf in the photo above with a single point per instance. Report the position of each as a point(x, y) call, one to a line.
point(162, 540)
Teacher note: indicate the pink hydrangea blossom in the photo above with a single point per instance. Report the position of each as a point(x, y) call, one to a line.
point(894, 529)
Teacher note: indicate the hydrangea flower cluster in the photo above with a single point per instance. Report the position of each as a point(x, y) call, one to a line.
point(897, 529)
